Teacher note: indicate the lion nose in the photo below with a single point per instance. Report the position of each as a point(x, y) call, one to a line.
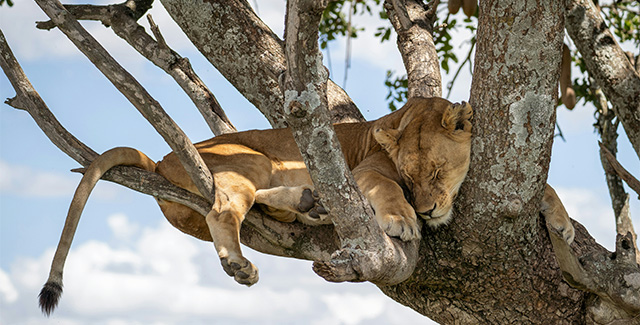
point(427, 214)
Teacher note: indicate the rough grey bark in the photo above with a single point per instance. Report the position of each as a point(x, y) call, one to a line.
point(494, 263)
point(366, 253)
point(135, 93)
point(259, 231)
point(414, 25)
point(607, 64)
point(248, 54)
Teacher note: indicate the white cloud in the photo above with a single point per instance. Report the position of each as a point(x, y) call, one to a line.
point(8, 292)
point(121, 228)
point(592, 211)
point(353, 308)
point(29, 182)
point(165, 277)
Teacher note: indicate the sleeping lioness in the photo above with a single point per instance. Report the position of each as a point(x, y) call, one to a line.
point(409, 163)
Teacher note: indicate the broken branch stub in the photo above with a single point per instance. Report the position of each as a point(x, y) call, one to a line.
point(614, 278)
point(367, 254)
point(135, 93)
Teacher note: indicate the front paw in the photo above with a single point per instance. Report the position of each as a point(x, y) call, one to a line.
point(311, 210)
point(399, 222)
point(243, 271)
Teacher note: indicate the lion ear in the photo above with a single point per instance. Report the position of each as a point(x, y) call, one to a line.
point(456, 118)
point(388, 139)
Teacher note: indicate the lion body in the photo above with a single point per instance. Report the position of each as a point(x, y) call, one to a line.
point(407, 164)
point(428, 141)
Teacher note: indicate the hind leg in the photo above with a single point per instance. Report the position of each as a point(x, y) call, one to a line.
point(224, 220)
point(288, 203)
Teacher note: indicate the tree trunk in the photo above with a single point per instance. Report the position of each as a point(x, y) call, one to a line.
point(494, 263)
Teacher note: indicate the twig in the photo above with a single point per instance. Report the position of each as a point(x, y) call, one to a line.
point(135, 93)
point(156, 32)
point(633, 182)
point(455, 76)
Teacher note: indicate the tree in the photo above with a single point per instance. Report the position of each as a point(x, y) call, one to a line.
point(496, 263)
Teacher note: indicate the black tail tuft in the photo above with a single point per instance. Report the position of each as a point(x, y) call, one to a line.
point(49, 296)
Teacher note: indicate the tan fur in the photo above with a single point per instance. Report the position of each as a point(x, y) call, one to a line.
point(408, 163)
point(555, 214)
point(422, 149)
point(567, 94)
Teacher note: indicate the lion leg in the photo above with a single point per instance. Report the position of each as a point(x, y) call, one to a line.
point(286, 204)
point(224, 221)
point(555, 214)
point(392, 211)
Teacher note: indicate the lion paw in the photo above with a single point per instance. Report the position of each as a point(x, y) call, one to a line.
point(243, 271)
point(401, 224)
point(565, 228)
point(311, 207)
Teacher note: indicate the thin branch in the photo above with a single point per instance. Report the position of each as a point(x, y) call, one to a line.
point(609, 136)
point(259, 231)
point(135, 93)
point(123, 21)
point(633, 182)
point(367, 253)
point(248, 54)
point(455, 76)
point(607, 64)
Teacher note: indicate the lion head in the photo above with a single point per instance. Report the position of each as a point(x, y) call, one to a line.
point(430, 145)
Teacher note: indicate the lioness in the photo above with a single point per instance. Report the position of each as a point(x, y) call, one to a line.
point(422, 150)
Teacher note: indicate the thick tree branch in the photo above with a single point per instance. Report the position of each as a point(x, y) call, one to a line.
point(259, 231)
point(248, 54)
point(123, 20)
point(607, 64)
point(415, 42)
point(135, 93)
point(367, 253)
point(613, 277)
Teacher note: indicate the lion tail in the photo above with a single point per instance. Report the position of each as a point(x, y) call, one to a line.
point(50, 293)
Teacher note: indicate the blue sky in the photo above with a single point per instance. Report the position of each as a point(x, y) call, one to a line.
point(127, 265)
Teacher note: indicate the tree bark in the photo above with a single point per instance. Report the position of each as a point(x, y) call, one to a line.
point(494, 263)
point(607, 64)
point(248, 54)
point(135, 93)
point(414, 26)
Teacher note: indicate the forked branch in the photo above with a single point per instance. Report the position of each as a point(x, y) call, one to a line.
point(607, 64)
point(615, 278)
point(135, 93)
point(367, 254)
point(414, 25)
point(122, 19)
point(258, 231)
point(248, 54)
